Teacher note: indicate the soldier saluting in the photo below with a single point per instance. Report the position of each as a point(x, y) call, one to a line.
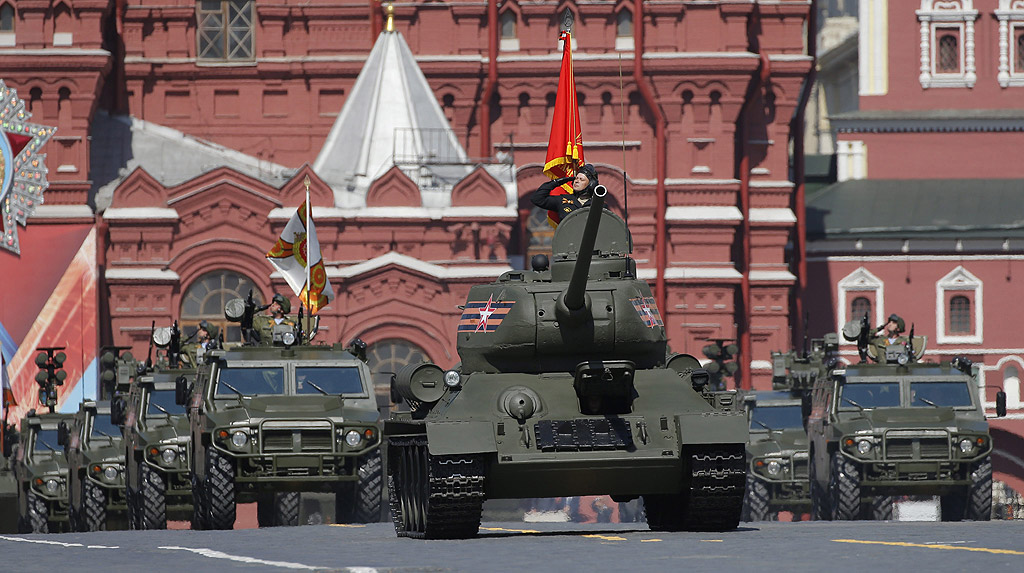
point(560, 205)
point(277, 314)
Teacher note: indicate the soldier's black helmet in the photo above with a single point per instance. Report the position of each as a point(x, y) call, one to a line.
point(900, 325)
point(286, 305)
point(591, 172)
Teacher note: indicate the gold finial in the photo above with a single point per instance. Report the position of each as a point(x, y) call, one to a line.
point(306, 183)
point(389, 26)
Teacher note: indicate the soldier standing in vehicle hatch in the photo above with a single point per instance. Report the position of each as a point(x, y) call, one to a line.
point(278, 314)
point(561, 205)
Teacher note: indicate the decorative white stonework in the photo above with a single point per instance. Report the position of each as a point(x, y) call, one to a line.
point(1011, 19)
point(873, 47)
point(859, 281)
point(851, 160)
point(959, 281)
point(947, 14)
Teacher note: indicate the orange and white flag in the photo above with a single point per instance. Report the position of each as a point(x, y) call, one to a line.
point(297, 256)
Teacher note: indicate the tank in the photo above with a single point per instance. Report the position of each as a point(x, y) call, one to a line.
point(566, 387)
point(777, 456)
point(41, 472)
point(95, 454)
point(900, 427)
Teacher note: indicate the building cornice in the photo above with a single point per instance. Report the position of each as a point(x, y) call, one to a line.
point(925, 121)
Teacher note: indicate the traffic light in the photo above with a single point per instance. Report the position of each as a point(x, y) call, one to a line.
point(51, 374)
point(723, 361)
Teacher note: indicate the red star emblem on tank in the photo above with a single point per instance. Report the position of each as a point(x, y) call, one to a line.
point(648, 311)
point(484, 315)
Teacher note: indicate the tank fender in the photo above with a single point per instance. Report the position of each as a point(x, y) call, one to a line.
point(713, 428)
point(445, 438)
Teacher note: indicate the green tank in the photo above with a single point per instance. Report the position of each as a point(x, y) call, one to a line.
point(565, 388)
point(777, 456)
point(41, 472)
point(900, 427)
point(95, 454)
point(270, 421)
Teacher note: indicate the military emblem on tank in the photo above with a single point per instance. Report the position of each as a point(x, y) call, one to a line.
point(648, 311)
point(484, 315)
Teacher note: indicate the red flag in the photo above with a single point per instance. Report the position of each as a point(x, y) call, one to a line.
point(565, 145)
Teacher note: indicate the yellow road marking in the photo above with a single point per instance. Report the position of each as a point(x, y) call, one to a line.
point(648, 540)
point(606, 537)
point(346, 525)
point(512, 530)
point(713, 540)
point(949, 547)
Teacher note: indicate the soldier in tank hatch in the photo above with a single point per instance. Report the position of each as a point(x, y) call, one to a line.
point(583, 186)
point(205, 340)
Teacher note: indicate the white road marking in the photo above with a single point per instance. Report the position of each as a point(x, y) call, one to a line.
point(214, 554)
point(61, 543)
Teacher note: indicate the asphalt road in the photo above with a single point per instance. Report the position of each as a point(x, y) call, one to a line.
point(521, 547)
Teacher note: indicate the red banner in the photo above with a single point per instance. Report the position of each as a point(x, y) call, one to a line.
point(565, 145)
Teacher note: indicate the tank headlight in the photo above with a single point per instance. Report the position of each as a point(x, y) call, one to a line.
point(352, 438)
point(452, 379)
point(864, 447)
point(239, 438)
point(966, 446)
point(52, 486)
point(110, 473)
point(288, 338)
point(774, 468)
point(168, 455)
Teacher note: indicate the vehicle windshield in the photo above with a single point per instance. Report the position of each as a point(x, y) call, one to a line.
point(250, 381)
point(330, 380)
point(164, 399)
point(101, 425)
point(46, 440)
point(776, 417)
point(869, 395)
point(931, 394)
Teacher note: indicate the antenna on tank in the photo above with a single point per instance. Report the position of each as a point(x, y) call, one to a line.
point(625, 191)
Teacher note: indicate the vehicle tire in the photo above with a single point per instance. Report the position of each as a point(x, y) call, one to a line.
point(93, 513)
point(820, 508)
point(755, 501)
point(844, 489)
point(152, 501)
point(880, 508)
point(278, 509)
point(129, 501)
point(37, 520)
point(200, 514)
point(220, 490)
point(360, 501)
point(979, 507)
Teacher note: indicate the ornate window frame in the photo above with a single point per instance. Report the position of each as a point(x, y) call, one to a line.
point(1011, 18)
point(858, 282)
point(946, 14)
point(958, 282)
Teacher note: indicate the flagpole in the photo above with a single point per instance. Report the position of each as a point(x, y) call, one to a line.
point(309, 283)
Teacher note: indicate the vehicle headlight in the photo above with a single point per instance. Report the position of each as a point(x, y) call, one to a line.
point(52, 486)
point(864, 447)
point(110, 473)
point(966, 446)
point(774, 467)
point(353, 438)
point(452, 379)
point(168, 455)
point(288, 338)
point(239, 438)
point(902, 359)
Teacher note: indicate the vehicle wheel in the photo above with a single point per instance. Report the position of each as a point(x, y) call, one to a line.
point(93, 514)
point(152, 502)
point(359, 502)
point(820, 510)
point(844, 488)
point(278, 509)
point(200, 513)
point(881, 508)
point(980, 506)
point(755, 501)
point(37, 520)
point(220, 490)
point(129, 501)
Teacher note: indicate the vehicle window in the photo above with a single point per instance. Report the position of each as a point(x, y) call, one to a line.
point(331, 380)
point(164, 399)
point(776, 417)
point(250, 381)
point(101, 425)
point(869, 395)
point(939, 394)
point(46, 440)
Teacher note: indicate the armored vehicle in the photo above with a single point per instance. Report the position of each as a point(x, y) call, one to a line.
point(565, 388)
point(41, 471)
point(900, 427)
point(268, 422)
point(777, 456)
point(797, 372)
point(8, 485)
point(156, 435)
point(95, 454)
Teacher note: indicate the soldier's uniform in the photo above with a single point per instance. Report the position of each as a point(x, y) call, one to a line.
point(878, 344)
point(192, 354)
point(264, 325)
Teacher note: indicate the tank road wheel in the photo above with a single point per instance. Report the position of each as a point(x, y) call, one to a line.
point(200, 512)
point(276, 509)
point(37, 519)
point(844, 488)
point(359, 502)
point(152, 500)
point(93, 514)
point(880, 508)
point(755, 501)
point(220, 490)
point(434, 497)
point(979, 507)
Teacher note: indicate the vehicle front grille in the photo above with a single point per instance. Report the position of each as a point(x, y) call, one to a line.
point(297, 437)
point(800, 466)
point(926, 448)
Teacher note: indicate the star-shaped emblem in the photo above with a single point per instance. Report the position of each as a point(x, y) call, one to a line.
point(485, 313)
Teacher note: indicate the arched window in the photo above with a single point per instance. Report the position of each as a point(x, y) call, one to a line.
point(205, 300)
point(959, 315)
point(624, 24)
point(859, 308)
point(507, 24)
point(6, 18)
point(949, 54)
point(385, 359)
point(1018, 62)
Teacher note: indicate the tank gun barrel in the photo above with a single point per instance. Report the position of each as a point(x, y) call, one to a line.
point(575, 295)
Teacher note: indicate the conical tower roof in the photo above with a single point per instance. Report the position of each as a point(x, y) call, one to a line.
point(390, 118)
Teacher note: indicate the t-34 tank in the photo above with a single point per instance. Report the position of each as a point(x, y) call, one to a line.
point(565, 388)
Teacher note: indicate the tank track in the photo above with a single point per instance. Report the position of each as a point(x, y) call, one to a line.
point(717, 481)
point(434, 497)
